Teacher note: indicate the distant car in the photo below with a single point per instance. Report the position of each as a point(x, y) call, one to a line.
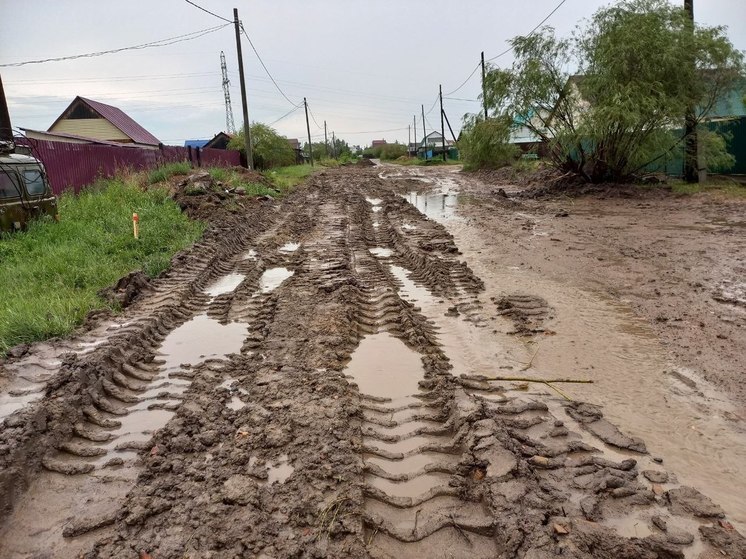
point(25, 193)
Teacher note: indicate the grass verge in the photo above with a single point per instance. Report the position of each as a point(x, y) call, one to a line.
point(169, 170)
point(721, 186)
point(51, 273)
point(285, 178)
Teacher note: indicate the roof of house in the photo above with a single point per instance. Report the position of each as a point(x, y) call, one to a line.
point(45, 134)
point(378, 143)
point(117, 117)
point(294, 143)
point(195, 143)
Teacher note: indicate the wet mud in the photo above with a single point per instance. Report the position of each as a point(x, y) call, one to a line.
point(333, 378)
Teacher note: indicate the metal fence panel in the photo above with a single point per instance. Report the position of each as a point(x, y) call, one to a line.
point(74, 166)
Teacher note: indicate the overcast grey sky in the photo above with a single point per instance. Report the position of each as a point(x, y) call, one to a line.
point(365, 67)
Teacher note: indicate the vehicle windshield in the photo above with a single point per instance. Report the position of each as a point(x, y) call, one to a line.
point(8, 184)
point(34, 182)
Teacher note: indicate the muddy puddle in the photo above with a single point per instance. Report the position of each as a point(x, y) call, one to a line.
point(279, 470)
point(289, 247)
point(19, 395)
point(437, 206)
point(383, 367)
point(594, 336)
point(224, 285)
point(272, 279)
point(200, 339)
point(381, 252)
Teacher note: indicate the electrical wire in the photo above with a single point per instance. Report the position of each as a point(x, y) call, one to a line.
point(160, 43)
point(265, 67)
point(287, 114)
point(466, 80)
point(433, 106)
point(542, 22)
point(208, 11)
point(314, 118)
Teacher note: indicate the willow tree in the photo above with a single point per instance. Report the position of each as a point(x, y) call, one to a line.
point(640, 64)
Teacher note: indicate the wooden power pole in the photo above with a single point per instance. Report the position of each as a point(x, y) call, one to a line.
point(424, 132)
point(244, 102)
point(442, 126)
point(308, 129)
point(6, 128)
point(691, 159)
point(326, 142)
point(484, 94)
point(414, 134)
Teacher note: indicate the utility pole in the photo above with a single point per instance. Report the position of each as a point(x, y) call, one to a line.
point(230, 126)
point(691, 163)
point(308, 129)
point(442, 126)
point(244, 102)
point(326, 142)
point(6, 128)
point(414, 134)
point(484, 94)
point(449, 128)
point(409, 138)
point(334, 145)
point(424, 132)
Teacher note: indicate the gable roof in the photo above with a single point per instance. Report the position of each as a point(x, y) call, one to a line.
point(42, 135)
point(115, 116)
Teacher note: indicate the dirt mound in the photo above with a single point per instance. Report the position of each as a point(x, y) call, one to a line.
point(201, 197)
point(365, 163)
point(528, 312)
point(126, 290)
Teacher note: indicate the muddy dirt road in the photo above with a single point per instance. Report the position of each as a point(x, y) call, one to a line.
point(353, 372)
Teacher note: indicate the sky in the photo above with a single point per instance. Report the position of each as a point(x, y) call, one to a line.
point(366, 67)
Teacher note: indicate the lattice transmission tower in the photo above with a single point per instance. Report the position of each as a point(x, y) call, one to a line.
point(229, 124)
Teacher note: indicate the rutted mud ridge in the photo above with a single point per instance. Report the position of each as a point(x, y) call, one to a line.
point(331, 413)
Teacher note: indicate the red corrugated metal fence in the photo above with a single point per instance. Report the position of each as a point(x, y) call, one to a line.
point(73, 166)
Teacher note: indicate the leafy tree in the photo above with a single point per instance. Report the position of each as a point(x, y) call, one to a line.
point(386, 151)
point(268, 147)
point(484, 143)
point(641, 64)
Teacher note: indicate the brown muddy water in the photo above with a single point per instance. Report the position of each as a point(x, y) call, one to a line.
point(596, 337)
point(37, 524)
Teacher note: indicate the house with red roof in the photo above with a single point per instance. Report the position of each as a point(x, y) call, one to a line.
point(89, 121)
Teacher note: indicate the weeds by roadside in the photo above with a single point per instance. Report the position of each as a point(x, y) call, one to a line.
point(286, 178)
point(51, 274)
point(725, 187)
point(167, 171)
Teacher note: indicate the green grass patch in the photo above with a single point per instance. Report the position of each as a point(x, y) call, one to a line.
point(167, 171)
point(285, 178)
point(51, 273)
point(720, 186)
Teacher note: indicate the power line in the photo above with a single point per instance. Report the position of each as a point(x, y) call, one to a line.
point(542, 22)
point(434, 103)
point(208, 11)
point(265, 67)
point(466, 80)
point(160, 43)
point(287, 114)
point(314, 119)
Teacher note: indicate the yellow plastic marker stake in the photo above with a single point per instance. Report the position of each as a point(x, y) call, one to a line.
point(136, 225)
